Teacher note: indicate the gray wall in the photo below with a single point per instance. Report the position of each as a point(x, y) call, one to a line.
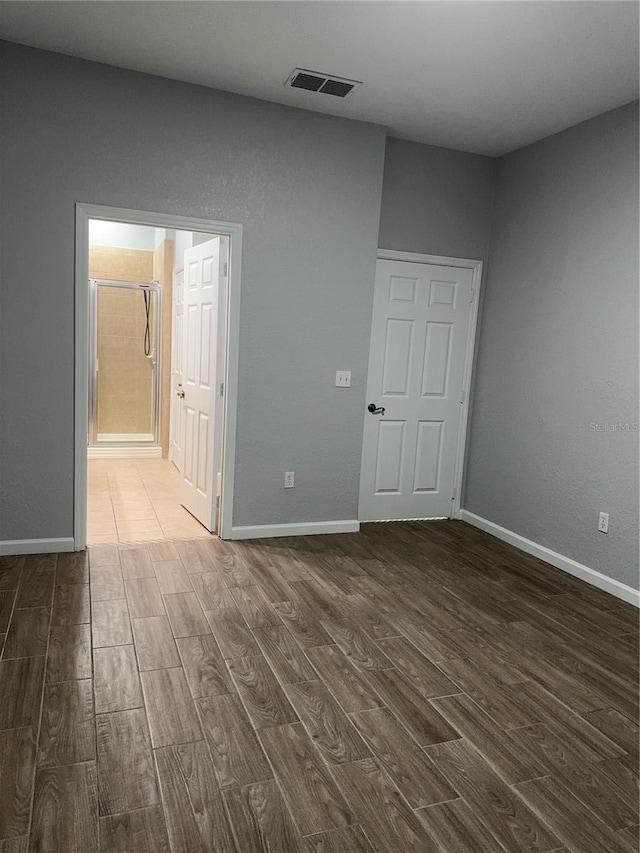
point(307, 189)
point(559, 347)
point(436, 201)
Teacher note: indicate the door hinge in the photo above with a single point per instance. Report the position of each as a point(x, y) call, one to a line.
point(222, 389)
point(453, 496)
point(472, 294)
point(225, 268)
point(217, 501)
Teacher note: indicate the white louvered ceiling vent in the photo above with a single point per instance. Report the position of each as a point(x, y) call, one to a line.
point(314, 81)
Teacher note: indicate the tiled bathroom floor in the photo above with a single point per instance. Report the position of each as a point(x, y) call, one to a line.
point(136, 500)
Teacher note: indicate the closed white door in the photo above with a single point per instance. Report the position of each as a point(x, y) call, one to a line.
point(419, 341)
point(202, 371)
point(177, 419)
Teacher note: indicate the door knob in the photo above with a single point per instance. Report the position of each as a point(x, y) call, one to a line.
point(375, 410)
point(180, 392)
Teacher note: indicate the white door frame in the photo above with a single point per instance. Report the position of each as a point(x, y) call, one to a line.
point(85, 212)
point(476, 268)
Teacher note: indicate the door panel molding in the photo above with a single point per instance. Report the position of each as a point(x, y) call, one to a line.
point(441, 296)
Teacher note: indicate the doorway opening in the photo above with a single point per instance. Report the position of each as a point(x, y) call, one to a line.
point(157, 301)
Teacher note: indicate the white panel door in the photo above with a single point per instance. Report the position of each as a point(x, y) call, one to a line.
point(201, 378)
point(419, 341)
point(177, 418)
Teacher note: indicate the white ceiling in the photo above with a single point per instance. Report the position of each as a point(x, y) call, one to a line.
point(487, 77)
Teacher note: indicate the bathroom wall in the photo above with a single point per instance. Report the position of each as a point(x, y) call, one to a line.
point(163, 263)
point(185, 240)
point(125, 375)
point(121, 235)
point(123, 264)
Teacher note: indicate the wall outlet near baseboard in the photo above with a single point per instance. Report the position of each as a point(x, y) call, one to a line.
point(289, 479)
point(603, 522)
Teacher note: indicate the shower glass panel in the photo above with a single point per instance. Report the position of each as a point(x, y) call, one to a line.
point(125, 343)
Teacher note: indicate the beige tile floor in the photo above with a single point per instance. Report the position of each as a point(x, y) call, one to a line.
point(136, 500)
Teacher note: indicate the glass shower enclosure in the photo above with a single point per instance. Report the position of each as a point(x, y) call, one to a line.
point(125, 356)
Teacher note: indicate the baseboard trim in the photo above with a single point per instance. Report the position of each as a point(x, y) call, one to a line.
point(13, 547)
point(566, 564)
point(154, 452)
point(305, 528)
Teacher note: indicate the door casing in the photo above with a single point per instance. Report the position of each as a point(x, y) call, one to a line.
point(476, 268)
point(229, 329)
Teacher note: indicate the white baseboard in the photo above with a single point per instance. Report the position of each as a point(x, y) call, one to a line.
point(154, 452)
point(308, 528)
point(11, 547)
point(566, 564)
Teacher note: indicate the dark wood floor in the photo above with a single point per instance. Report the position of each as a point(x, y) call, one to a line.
point(413, 687)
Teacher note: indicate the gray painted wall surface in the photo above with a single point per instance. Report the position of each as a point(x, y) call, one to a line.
point(559, 347)
point(436, 201)
point(306, 188)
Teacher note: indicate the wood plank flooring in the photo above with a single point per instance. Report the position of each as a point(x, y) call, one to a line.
point(413, 687)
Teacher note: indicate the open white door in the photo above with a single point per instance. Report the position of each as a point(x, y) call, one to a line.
point(419, 340)
point(202, 373)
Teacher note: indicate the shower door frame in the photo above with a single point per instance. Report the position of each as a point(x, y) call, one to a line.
point(228, 329)
point(141, 286)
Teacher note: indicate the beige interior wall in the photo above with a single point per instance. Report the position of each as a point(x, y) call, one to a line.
point(120, 264)
point(163, 272)
point(125, 376)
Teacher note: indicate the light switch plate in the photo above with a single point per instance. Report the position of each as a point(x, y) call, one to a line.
point(343, 379)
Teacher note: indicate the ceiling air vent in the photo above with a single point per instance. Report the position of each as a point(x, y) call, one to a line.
point(314, 81)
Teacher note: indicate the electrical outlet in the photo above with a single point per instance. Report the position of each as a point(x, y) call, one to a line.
point(603, 522)
point(289, 479)
point(343, 379)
